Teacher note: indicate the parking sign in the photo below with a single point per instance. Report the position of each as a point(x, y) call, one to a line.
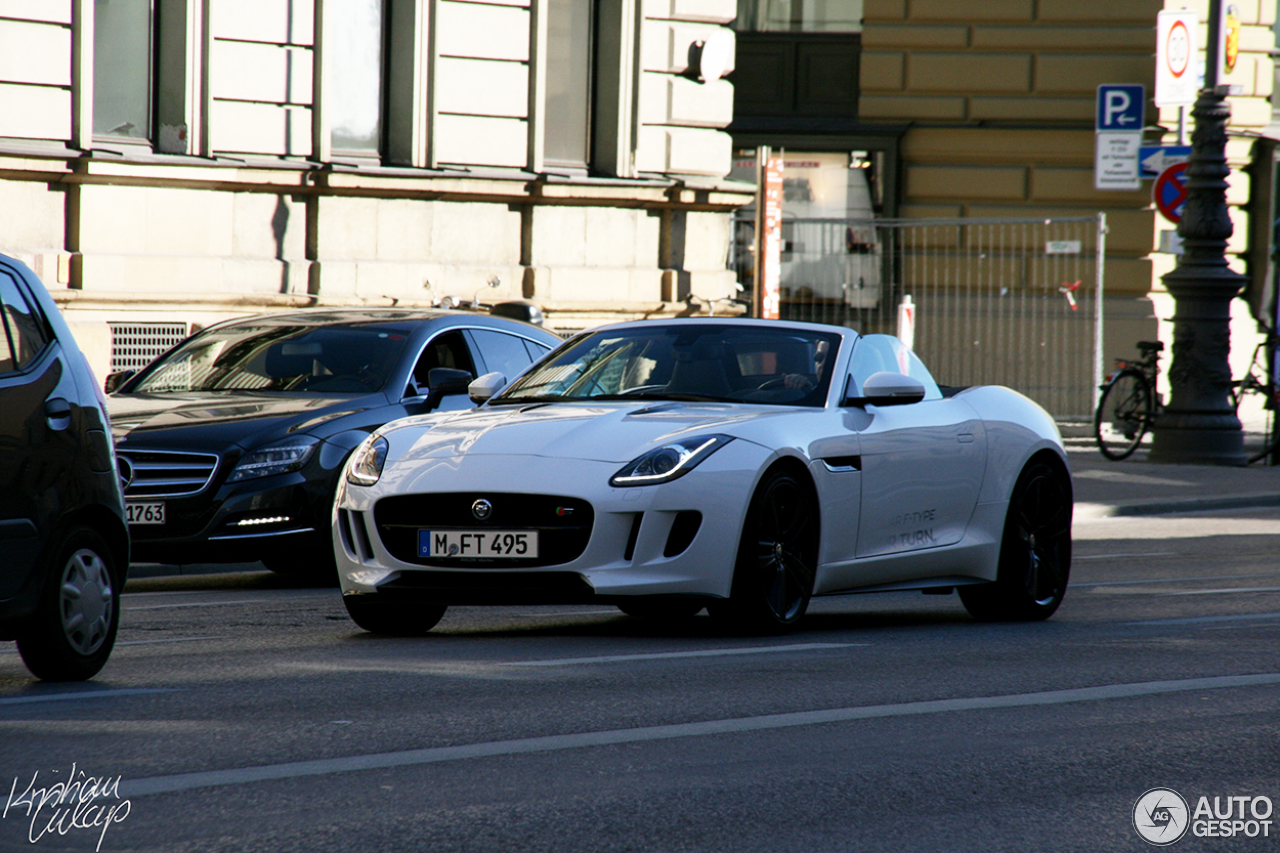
point(1120, 107)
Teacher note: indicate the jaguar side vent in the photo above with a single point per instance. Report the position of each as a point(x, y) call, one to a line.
point(683, 529)
point(630, 551)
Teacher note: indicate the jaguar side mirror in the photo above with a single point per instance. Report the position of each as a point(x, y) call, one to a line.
point(486, 386)
point(884, 389)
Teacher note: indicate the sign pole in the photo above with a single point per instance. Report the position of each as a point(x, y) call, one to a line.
point(766, 300)
point(1200, 425)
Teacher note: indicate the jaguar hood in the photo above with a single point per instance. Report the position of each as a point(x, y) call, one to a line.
point(602, 432)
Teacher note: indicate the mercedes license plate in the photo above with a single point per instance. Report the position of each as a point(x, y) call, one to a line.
point(151, 512)
point(506, 544)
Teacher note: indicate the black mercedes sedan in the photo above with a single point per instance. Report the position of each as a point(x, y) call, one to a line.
point(232, 442)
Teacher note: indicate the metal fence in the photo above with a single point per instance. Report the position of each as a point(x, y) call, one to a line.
point(1014, 302)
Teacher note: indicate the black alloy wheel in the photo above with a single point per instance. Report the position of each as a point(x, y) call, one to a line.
point(777, 559)
point(1035, 552)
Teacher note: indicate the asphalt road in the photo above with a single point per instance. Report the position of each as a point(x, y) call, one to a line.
point(240, 714)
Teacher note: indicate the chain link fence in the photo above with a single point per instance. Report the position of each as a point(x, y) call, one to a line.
point(1013, 302)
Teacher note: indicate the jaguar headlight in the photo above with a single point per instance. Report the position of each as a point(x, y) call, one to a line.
point(366, 463)
point(668, 462)
point(278, 458)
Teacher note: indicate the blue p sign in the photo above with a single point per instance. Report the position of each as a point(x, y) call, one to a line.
point(1120, 107)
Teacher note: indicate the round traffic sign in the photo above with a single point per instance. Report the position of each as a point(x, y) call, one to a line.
point(1170, 192)
point(1177, 49)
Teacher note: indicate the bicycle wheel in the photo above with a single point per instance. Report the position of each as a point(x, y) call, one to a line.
point(1124, 414)
point(1256, 409)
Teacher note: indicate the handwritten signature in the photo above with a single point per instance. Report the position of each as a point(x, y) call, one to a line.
point(78, 802)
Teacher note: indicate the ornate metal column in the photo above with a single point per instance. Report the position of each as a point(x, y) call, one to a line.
point(1199, 424)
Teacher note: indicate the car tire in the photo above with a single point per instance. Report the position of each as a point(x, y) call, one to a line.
point(72, 632)
point(662, 610)
point(777, 559)
point(1035, 552)
point(392, 618)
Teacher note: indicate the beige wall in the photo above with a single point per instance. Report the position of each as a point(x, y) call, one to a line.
point(1000, 98)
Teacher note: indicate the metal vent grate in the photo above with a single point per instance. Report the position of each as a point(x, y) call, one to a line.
point(135, 345)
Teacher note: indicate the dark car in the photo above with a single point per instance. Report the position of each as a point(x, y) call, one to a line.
point(232, 441)
point(64, 544)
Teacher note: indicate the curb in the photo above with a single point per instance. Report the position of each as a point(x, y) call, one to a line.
point(1094, 511)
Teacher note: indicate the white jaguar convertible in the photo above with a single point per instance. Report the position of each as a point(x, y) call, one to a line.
point(738, 465)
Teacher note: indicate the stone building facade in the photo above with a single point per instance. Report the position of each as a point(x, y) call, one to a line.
point(165, 163)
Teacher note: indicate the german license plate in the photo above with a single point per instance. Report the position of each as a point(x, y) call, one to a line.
point(151, 512)
point(505, 544)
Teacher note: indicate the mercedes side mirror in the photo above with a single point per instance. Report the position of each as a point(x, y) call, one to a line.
point(115, 380)
point(443, 381)
point(884, 389)
point(486, 386)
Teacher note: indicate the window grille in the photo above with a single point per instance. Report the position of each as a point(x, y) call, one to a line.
point(135, 345)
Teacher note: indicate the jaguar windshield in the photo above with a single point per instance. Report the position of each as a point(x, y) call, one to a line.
point(686, 361)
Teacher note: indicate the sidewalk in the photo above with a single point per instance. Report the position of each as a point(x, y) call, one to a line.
point(1136, 487)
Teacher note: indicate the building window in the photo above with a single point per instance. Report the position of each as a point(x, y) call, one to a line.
point(355, 47)
point(797, 58)
point(799, 16)
point(567, 107)
point(122, 60)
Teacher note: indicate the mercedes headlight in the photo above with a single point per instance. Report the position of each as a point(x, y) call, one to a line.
point(281, 458)
point(668, 462)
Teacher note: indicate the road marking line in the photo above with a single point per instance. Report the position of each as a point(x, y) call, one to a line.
point(139, 642)
point(614, 612)
point(1177, 580)
point(1078, 557)
point(85, 694)
point(202, 604)
point(555, 743)
point(169, 640)
point(1224, 590)
point(705, 653)
point(1196, 620)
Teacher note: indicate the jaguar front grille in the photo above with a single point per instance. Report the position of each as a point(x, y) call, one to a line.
point(563, 525)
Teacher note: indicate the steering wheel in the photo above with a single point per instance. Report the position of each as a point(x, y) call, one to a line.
point(335, 384)
point(803, 383)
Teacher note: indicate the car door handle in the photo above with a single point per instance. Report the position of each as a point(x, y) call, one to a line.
point(965, 438)
point(58, 412)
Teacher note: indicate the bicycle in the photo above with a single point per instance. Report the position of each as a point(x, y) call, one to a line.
point(1255, 399)
point(1129, 403)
